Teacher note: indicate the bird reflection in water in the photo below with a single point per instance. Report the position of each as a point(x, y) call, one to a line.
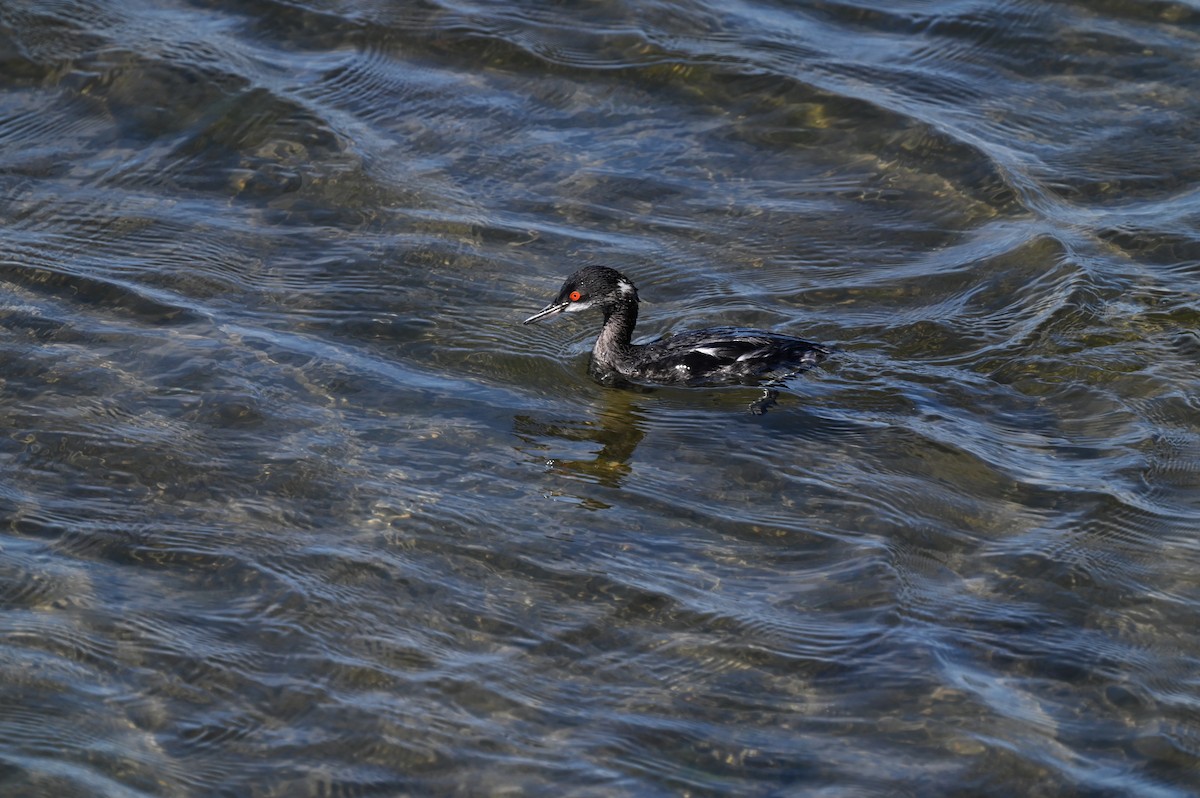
point(610, 438)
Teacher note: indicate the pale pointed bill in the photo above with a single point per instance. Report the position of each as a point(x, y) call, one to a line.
point(553, 309)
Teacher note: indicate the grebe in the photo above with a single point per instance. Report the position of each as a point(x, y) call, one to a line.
point(713, 356)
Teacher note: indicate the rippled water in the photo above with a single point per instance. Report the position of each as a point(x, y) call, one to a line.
point(294, 506)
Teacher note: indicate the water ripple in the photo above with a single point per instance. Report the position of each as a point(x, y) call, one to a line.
point(293, 504)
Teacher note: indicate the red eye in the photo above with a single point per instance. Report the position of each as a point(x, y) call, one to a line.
point(575, 296)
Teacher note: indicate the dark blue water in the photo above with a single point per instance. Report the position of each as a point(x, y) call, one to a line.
point(294, 506)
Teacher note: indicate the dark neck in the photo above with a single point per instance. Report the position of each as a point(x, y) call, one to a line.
point(613, 346)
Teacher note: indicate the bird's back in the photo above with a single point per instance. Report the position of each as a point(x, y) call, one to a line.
point(724, 355)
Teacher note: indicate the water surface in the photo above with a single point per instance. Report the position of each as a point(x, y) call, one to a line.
point(293, 505)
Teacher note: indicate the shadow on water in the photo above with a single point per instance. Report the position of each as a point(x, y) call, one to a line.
point(601, 450)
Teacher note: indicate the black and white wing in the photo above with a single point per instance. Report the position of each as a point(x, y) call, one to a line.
point(725, 354)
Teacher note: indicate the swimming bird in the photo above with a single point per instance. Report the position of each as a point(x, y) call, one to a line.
point(713, 356)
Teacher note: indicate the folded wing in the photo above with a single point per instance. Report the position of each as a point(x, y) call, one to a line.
point(725, 354)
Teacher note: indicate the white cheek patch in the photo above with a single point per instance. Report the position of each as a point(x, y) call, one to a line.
point(583, 304)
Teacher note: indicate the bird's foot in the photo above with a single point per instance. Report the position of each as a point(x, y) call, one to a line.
point(763, 403)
